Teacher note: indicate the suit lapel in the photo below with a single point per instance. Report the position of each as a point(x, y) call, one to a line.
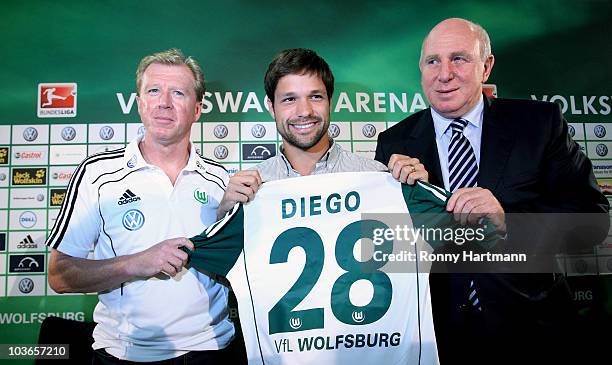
point(495, 146)
point(422, 143)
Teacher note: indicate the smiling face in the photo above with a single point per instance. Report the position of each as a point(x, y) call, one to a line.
point(301, 110)
point(167, 103)
point(452, 68)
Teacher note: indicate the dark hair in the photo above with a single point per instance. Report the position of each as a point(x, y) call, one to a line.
point(297, 61)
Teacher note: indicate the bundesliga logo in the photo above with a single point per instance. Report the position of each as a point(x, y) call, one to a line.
point(57, 100)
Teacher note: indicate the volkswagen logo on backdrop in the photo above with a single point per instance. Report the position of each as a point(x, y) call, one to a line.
point(334, 130)
point(106, 133)
point(600, 131)
point(30, 134)
point(368, 130)
point(133, 220)
point(601, 150)
point(26, 285)
point(571, 130)
point(68, 133)
point(141, 130)
point(258, 131)
point(221, 152)
point(220, 131)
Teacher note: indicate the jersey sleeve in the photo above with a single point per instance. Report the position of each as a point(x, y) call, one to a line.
point(78, 223)
point(427, 206)
point(219, 246)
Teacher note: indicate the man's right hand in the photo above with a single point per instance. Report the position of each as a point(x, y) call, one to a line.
point(165, 256)
point(68, 274)
point(241, 189)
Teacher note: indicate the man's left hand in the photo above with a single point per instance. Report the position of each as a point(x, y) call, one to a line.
point(406, 169)
point(470, 204)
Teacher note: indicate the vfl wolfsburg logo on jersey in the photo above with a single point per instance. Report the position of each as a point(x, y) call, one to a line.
point(200, 196)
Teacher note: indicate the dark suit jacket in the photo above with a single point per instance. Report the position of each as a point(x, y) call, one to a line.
point(531, 165)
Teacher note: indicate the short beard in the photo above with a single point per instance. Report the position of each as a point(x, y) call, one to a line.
point(305, 145)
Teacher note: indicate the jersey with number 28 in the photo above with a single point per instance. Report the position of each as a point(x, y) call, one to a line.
point(304, 294)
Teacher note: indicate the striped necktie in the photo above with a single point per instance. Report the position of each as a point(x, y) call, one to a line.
point(462, 166)
point(463, 170)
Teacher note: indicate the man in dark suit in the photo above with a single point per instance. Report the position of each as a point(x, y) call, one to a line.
point(497, 157)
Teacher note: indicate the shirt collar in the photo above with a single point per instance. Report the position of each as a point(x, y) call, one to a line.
point(329, 158)
point(474, 117)
point(133, 159)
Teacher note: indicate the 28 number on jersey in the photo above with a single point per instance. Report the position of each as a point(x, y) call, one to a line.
point(283, 318)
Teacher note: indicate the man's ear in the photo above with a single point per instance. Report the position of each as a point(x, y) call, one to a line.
point(488, 67)
point(270, 107)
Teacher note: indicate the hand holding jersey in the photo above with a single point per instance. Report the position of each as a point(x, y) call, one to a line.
point(406, 169)
point(240, 189)
point(165, 257)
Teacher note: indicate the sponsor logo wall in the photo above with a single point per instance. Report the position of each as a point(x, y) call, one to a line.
point(38, 161)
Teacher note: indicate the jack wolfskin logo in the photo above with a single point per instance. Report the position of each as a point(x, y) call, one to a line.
point(128, 197)
point(200, 196)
